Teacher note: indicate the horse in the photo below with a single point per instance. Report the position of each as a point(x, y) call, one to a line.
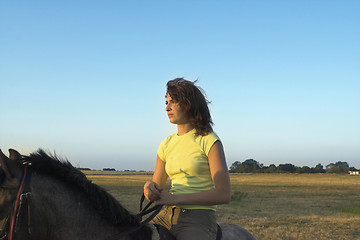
point(43, 197)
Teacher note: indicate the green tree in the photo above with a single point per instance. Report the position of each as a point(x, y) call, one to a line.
point(318, 169)
point(248, 166)
point(287, 167)
point(338, 167)
point(304, 169)
point(353, 169)
point(271, 169)
point(235, 167)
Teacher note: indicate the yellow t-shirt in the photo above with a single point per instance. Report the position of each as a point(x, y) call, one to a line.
point(187, 165)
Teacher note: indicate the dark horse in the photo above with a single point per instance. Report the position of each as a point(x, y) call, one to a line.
point(50, 199)
point(45, 198)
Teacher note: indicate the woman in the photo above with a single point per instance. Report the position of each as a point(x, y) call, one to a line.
point(194, 160)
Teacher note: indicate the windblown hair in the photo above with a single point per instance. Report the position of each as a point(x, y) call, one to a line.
point(192, 100)
point(104, 203)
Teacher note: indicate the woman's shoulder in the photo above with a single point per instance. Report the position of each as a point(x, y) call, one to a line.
point(211, 136)
point(168, 138)
point(207, 141)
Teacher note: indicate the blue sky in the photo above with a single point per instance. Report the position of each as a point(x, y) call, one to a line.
point(86, 79)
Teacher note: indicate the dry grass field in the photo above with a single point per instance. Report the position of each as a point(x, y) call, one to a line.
point(271, 206)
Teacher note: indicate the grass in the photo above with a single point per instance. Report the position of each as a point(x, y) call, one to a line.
point(351, 209)
point(271, 206)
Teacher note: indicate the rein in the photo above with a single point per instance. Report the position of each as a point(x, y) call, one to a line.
point(155, 210)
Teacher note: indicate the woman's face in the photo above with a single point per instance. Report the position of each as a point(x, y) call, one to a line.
point(175, 113)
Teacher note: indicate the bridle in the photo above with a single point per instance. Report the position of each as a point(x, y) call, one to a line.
point(21, 207)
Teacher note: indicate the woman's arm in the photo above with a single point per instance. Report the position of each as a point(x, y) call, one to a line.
point(153, 188)
point(221, 194)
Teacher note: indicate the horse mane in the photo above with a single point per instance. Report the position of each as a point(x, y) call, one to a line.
point(104, 203)
point(2, 176)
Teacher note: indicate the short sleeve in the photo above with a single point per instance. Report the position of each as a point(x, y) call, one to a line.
point(209, 141)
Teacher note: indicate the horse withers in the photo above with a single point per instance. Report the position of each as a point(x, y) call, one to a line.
point(45, 198)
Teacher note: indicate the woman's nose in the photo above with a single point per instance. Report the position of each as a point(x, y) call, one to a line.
point(167, 108)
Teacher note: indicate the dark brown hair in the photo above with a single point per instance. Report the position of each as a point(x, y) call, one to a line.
point(191, 99)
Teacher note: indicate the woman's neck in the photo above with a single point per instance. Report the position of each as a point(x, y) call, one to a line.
point(184, 128)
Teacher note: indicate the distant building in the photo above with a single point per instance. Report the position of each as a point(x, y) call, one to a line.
point(354, 172)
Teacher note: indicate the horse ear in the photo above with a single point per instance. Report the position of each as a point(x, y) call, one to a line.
point(11, 169)
point(3, 160)
point(14, 155)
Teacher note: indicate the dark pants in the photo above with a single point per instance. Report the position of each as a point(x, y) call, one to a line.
point(188, 224)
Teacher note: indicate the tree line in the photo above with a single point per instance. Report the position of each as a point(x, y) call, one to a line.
point(253, 166)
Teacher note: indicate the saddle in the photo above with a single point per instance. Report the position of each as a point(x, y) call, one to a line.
point(165, 234)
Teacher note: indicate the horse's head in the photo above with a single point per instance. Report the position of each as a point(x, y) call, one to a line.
point(10, 175)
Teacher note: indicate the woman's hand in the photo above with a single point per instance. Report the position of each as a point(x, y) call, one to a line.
point(167, 198)
point(152, 191)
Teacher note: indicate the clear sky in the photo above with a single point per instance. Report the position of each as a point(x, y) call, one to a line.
point(86, 79)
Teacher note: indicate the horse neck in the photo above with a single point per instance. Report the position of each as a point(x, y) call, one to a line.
point(7, 200)
point(64, 212)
